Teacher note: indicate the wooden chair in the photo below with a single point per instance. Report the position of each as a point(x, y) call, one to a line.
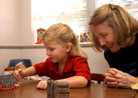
point(97, 77)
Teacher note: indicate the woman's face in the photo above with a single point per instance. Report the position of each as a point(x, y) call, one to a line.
point(105, 36)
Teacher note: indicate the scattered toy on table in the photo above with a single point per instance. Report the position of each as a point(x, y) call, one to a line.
point(57, 89)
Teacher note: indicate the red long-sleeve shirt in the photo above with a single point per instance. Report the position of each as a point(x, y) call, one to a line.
point(75, 66)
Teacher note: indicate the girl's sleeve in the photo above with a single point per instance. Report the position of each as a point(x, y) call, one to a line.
point(42, 68)
point(82, 68)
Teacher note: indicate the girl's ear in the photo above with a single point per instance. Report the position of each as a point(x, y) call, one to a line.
point(69, 47)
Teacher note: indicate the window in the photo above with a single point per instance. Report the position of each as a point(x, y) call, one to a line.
point(130, 5)
point(72, 12)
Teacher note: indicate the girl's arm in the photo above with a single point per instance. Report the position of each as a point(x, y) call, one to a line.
point(28, 71)
point(75, 81)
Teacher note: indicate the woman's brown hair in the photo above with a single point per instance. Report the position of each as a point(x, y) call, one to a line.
point(123, 24)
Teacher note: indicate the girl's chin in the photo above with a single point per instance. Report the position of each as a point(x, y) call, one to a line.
point(54, 61)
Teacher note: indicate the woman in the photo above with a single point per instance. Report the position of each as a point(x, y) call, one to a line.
point(116, 32)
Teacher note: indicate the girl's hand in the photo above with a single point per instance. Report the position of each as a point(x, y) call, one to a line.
point(42, 84)
point(20, 66)
point(18, 74)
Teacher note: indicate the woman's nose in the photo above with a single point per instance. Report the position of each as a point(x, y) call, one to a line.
point(102, 42)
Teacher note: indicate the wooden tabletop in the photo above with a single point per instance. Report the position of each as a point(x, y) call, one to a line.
point(29, 90)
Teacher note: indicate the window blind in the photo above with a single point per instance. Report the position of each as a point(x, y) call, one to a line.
point(72, 12)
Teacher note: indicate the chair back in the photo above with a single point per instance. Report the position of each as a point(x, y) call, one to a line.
point(26, 62)
point(97, 77)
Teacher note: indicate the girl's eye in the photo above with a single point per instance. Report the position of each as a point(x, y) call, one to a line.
point(51, 49)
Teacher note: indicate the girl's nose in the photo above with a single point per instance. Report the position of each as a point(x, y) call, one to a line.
point(48, 53)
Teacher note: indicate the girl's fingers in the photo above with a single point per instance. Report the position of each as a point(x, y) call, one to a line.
point(17, 74)
point(42, 85)
point(20, 66)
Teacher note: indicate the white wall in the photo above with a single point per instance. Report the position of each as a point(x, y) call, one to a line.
point(96, 60)
point(25, 22)
point(7, 54)
point(8, 22)
point(15, 22)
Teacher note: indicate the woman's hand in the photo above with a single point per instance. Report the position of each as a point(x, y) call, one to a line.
point(117, 78)
point(42, 84)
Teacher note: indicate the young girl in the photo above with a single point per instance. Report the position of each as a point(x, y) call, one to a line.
point(64, 62)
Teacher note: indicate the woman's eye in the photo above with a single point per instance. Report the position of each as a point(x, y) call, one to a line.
point(104, 35)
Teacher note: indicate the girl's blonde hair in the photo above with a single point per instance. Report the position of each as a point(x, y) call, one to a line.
point(62, 34)
point(124, 26)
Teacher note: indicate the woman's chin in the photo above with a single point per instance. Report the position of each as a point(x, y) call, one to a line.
point(114, 49)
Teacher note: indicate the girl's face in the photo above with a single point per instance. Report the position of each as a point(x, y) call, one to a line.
point(57, 52)
point(105, 36)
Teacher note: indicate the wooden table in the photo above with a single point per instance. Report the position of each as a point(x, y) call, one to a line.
point(28, 90)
